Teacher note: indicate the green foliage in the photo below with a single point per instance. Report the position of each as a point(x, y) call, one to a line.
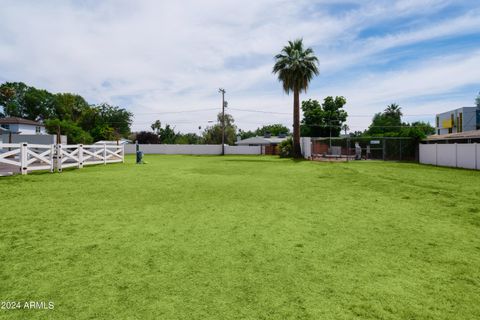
point(246, 134)
point(285, 148)
point(477, 100)
point(295, 66)
point(273, 129)
point(187, 138)
point(386, 123)
point(389, 124)
point(167, 135)
point(325, 119)
point(74, 133)
point(213, 134)
point(145, 137)
point(19, 100)
point(101, 122)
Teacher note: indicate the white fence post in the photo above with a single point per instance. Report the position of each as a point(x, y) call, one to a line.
point(59, 158)
point(52, 158)
point(123, 153)
point(476, 156)
point(436, 154)
point(80, 156)
point(23, 158)
point(456, 155)
point(104, 154)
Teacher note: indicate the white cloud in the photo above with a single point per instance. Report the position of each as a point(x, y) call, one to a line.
point(161, 56)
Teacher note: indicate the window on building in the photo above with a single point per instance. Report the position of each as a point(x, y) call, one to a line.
point(5, 126)
point(452, 120)
point(38, 129)
point(438, 122)
point(460, 122)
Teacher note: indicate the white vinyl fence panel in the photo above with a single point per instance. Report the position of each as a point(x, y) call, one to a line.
point(192, 149)
point(24, 157)
point(461, 155)
point(447, 155)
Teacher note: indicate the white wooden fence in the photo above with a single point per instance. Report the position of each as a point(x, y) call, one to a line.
point(460, 155)
point(24, 157)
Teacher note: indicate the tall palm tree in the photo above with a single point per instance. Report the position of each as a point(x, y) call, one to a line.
point(394, 110)
point(296, 66)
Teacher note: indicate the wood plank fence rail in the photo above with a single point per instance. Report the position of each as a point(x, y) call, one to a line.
point(24, 157)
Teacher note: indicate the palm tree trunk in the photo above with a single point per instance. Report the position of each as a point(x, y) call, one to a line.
point(297, 153)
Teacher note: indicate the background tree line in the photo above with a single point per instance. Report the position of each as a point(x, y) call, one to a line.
point(329, 119)
point(68, 113)
point(166, 134)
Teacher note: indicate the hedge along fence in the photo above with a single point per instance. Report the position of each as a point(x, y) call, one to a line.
point(25, 157)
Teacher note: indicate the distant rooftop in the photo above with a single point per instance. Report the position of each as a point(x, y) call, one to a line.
point(258, 140)
point(474, 134)
point(16, 120)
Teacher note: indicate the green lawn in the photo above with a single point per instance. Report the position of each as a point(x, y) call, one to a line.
point(187, 237)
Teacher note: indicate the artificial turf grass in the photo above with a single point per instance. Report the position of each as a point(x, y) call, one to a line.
point(187, 237)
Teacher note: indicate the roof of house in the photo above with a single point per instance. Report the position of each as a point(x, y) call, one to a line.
point(16, 120)
point(474, 134)
point(113, 142)
point(261, 140)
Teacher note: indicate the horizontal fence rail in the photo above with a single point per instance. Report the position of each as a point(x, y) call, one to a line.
point(24, 157)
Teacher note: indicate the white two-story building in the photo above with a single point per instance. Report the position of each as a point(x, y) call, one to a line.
point(21, 126)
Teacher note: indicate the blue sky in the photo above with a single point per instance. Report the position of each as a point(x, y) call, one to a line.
point(161, 59)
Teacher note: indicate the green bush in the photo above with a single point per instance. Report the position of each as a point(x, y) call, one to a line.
point(285, 148)
point(74, 133)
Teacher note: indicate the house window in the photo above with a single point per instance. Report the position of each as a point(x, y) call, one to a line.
point(460, 122)
point(5, 126)
point(38, 129)
point(438, 122)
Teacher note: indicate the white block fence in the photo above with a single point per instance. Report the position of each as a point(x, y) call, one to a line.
point(24, 157)
point(458, 155)
point(192, 149)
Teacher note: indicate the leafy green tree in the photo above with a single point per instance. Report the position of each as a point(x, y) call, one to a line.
point(273, 129)
point(187, 138)
point(477, 100)
point(388, 122)
point(167, 135)
point(286, 148)
point(102, 122)
point(296, 67)
point(146, 137)
point(246, 134)
point(19, 100)
point(156, 126)
point(323, 120)
point(74, 133)
point(213, 134)
point(69, 106)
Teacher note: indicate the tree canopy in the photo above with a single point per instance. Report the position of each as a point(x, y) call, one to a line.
point(389, 124)
point(71, 113)
point(323, 120)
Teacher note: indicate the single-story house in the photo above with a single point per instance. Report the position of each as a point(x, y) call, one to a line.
point(267, 143)
point(114, 142)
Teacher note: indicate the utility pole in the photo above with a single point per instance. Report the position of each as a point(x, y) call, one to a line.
point(222, 91)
